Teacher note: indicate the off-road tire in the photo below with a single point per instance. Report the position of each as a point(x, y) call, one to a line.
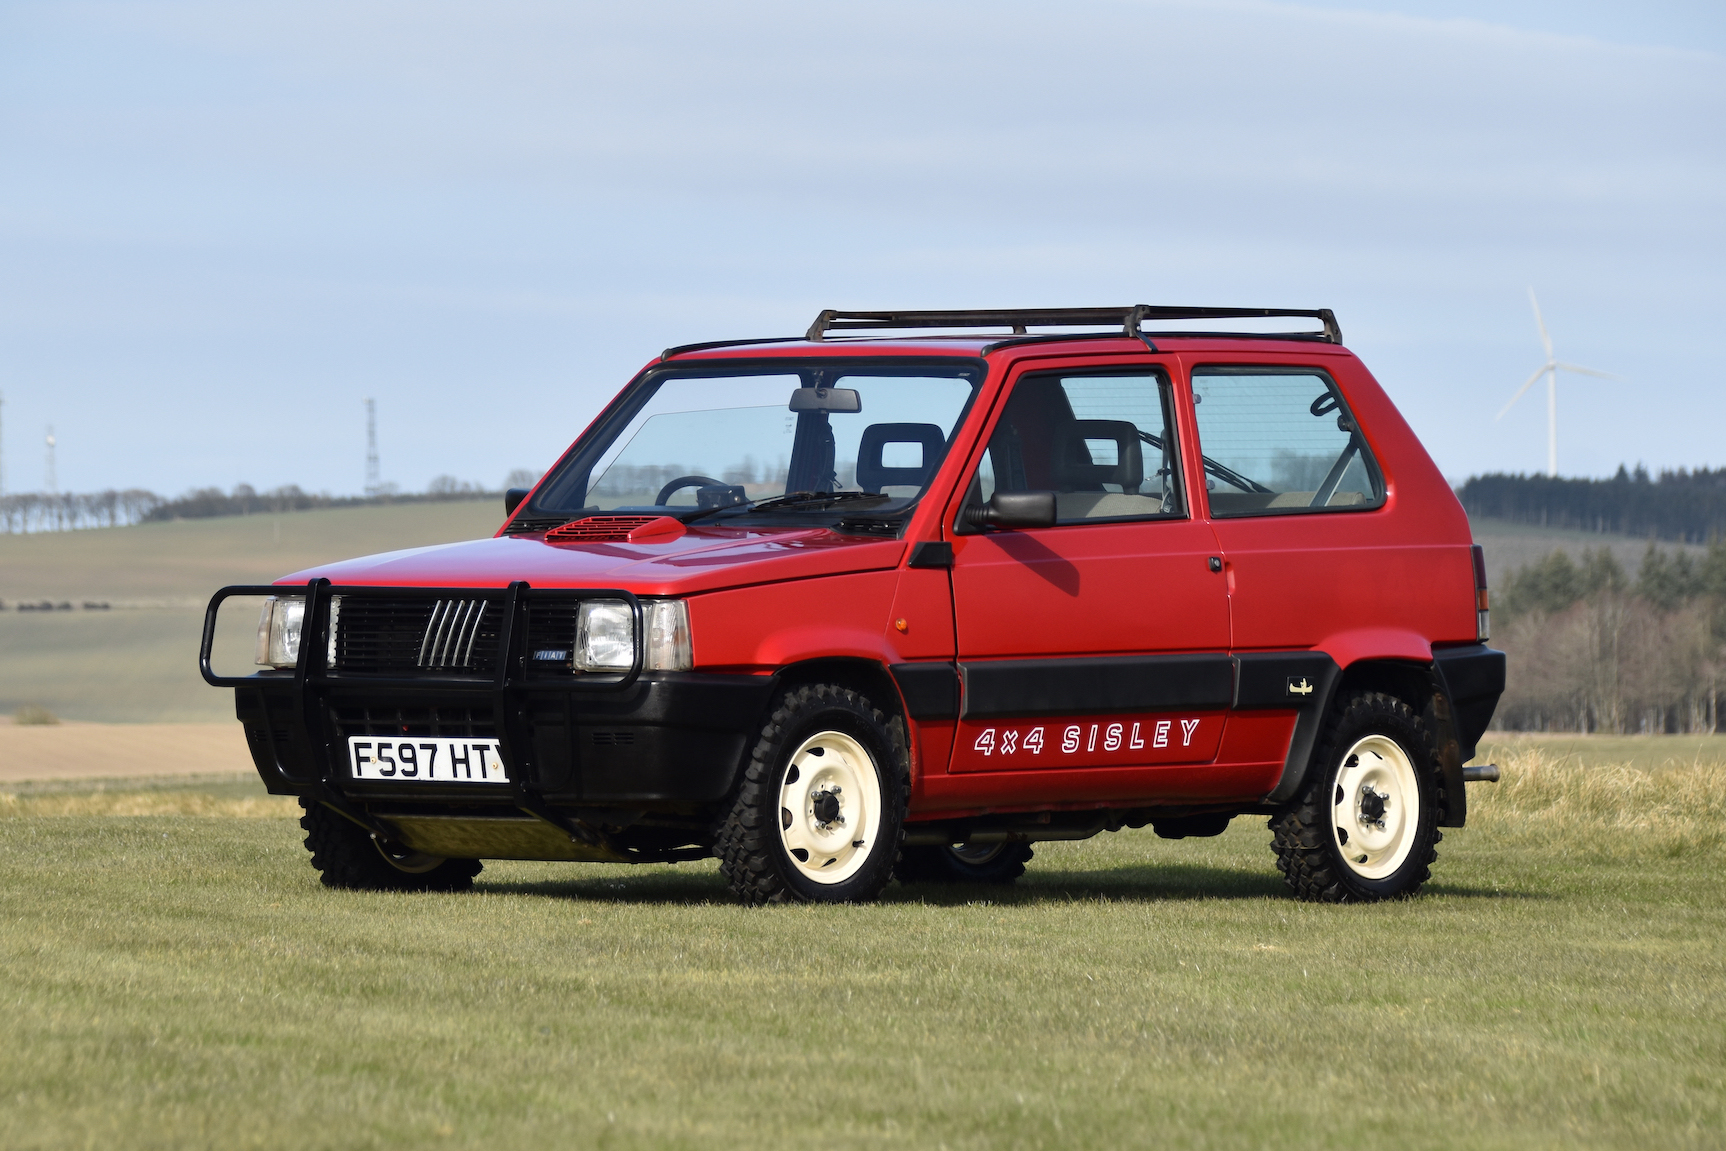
point(752, 853)
point(941, 864)
point(1305, 840)
point(346, 856)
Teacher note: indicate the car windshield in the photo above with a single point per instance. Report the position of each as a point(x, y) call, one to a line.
point(801, 439)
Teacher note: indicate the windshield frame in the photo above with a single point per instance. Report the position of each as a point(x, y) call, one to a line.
point(574, 470)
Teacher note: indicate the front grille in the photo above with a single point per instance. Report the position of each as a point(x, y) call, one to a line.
point(402, 636)
point(551, 639)
point(456, 721)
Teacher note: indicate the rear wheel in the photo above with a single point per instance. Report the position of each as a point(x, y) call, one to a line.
point(1365, 827)
point(821, 810)
point(346, 855)
point(962, 863)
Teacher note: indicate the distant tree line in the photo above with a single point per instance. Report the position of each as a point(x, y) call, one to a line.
point(1675, 505)
point(69, 511)
point(1592, 650)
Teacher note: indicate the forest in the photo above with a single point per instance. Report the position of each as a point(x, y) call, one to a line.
point(1685, 505)
point(1592, 650)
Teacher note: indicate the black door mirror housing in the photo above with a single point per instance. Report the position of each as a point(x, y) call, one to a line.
point(1013, 510)
point(512, 500)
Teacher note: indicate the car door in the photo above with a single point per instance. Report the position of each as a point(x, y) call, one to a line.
point(1293, 491)
point(1093, 651)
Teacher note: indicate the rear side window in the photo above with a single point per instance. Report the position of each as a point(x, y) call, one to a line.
point(1278, 442)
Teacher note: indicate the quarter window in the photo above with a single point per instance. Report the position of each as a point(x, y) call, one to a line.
point(1280, 442)
point(1101, 443)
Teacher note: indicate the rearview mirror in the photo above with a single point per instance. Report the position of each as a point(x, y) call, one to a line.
point(844, 400)
point(512, 500)
point(1013, 510)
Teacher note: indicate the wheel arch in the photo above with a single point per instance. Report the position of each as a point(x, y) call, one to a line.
point(1420, 685)
point(866, 676)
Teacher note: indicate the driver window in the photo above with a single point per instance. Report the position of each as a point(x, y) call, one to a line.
point(1101, 443)
point(1280, 442)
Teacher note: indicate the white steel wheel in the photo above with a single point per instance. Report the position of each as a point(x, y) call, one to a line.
point(1375, 807)
point(829, 807)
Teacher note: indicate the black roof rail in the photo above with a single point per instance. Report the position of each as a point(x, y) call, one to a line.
point(710, 344)
point(1020, 319)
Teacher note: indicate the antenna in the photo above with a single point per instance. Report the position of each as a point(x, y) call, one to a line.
point(2, 444)
point(372, 448)
point(52, 484)
point(1550, 370)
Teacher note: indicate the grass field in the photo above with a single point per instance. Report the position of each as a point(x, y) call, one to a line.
point(180, 980)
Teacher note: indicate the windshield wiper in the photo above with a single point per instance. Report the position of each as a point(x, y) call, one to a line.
point(809, 499)
point(789, 500)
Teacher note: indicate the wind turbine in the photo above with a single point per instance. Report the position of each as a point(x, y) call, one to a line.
point(1550, 370)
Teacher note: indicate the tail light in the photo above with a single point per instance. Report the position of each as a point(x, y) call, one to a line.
point(1482, 604)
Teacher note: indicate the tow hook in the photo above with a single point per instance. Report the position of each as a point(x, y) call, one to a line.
point(1483, 773)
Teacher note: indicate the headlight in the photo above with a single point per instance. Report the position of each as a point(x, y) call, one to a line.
point(667, 623)
point(605, 636)
point(279, 631)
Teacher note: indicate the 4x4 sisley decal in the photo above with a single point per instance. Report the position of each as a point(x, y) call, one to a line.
point(1113, 740)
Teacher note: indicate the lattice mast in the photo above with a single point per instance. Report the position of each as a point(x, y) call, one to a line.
point(372, 484)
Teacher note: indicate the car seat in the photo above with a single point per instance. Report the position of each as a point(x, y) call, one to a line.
point(873, 475)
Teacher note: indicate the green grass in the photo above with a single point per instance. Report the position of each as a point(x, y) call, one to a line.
point(1644, 751)
point(184, 981)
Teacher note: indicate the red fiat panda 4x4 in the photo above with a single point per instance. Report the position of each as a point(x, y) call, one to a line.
point(879, 602)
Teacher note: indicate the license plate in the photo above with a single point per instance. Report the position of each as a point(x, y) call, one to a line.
point(426, 759)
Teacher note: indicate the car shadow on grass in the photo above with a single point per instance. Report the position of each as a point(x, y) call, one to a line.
point(1138, 883)
point(1160, 883)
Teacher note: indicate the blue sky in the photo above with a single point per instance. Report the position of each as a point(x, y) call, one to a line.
point(222, 227)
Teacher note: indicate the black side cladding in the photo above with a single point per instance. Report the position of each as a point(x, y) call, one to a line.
point(931, 690)
point(1303, 680)
point(1199, 682)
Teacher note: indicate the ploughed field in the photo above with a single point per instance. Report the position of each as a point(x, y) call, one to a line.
point(175, 977)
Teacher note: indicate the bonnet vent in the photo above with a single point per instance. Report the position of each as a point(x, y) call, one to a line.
point(616, 529)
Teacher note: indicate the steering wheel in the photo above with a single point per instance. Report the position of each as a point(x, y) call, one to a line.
point(681, 482)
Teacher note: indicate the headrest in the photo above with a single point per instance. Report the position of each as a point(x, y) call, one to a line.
point(1076, 466)
point(872, 475)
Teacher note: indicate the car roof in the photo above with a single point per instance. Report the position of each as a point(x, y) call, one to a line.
point(1000, 345)
point(847, 333)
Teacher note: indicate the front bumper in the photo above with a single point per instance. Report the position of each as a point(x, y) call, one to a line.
point(670, 739)
point(615, 765)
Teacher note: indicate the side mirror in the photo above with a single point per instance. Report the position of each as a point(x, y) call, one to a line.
point(1013, 510)
point(512, 500)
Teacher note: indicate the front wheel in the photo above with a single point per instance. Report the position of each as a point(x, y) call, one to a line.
point(821, 810)
point(1365, 826)
point(346, 855)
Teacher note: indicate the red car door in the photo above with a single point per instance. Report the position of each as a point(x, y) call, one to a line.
point(1093, 653)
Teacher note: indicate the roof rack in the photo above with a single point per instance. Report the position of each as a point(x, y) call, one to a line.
point(1020, 319)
